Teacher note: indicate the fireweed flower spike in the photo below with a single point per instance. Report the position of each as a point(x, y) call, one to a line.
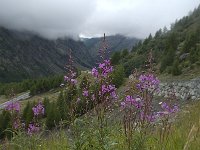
point(104, 92)
point(14, 109)
point(71, 75)
point(102, 74)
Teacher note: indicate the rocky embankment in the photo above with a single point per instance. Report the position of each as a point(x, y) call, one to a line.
point(184, 90)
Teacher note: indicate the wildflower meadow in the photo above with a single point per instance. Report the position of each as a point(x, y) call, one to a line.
point(90, 114)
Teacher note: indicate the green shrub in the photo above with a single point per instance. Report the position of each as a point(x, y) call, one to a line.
point(5, 124)
point(53, 116)
point(115, 58)
point(176, 69)
point(118, 76)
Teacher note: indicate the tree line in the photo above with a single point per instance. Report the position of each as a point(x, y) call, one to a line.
point(35, 86)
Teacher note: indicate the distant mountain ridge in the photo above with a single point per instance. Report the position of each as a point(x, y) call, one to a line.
point(114, 43)
point(25, 55)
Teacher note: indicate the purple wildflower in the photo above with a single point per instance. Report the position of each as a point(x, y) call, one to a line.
point(85, 93)
point(167, 110)
point(73, 74)
point(148, 117)
point(104, 67)
point(16, 124)
point(101, 65)
point(130, 101)
point(13, 106)
point(107, 62)
point(93, 97)
point(148, 82)
point(38, 109)
point(95, 72)
point(70, 78)
point(32, 129)
point(73, 81)
point(66, 78)
point(111, 88)
point(123, 105)
point(78, 100)
point(114, 95)
point(104, 89)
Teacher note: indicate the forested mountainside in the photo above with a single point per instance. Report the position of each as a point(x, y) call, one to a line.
point(175, 50)
point(114, 43)
point(24, 55)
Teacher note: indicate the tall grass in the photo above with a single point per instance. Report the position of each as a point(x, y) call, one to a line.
point(184, 134)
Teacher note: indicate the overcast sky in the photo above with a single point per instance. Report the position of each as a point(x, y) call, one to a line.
point(89, 18)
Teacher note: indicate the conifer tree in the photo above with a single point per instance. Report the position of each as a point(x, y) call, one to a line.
point(115, 58)
point(176, 69)
point(46, 106)
point(53, 116)
point(5, 124)
point(62, 107)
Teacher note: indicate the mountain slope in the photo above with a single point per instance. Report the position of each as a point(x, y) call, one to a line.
point(175, 51)
point(24, 55)
point(114, 43)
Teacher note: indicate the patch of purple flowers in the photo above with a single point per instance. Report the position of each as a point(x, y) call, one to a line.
point(104, 69)
point(167, 109)
point(130, 101)
point(70, 80)
point(148, 117)
point(13, 106)
point(102, 73)
point(148, 82)
point(95, 72)
point(38, 109)
point(85, 93)
point(107, 88)
point(32, 128)
point(66, 78)
point(16, 124)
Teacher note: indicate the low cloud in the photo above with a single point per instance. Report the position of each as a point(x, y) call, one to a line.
point(58, 18)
